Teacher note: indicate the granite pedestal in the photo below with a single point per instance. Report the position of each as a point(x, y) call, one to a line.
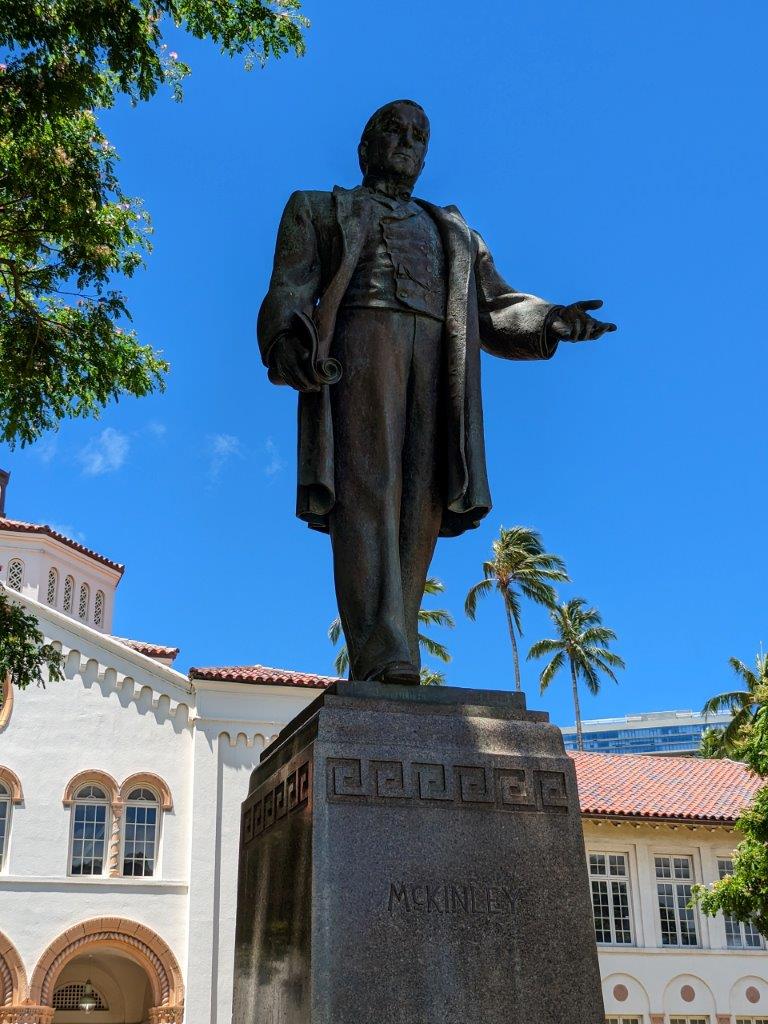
point(414, 855)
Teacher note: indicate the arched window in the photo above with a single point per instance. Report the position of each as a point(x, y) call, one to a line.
point(15, 574)
point(85, 600)
point(140, 832)
point(69, 593)
point(68, 997)
point(5, 821)
point(98, 608)
point(88, 847)
point(53, 585)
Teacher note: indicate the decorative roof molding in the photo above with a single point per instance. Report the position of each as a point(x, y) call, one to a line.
point(107, 645)
point(12, 781)
point(651, 788)
point(96, 776)
point(17, 526)
point(151, 650)
point(151, 781)
point(261, 675)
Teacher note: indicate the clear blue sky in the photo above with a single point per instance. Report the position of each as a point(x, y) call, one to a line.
point(602, 149)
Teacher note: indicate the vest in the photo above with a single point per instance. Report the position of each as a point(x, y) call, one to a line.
point(401, 265)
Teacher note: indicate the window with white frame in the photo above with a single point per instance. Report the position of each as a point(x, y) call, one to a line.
point(69, 593)
point(90, 818)
point(752, 1020)
point(84, 602)
point(15, 577)
point(674, 882)
point(141, 820)
point(689, 1020)
point(5, 821)
point(53, 586)
point(609, 881)
point(737, 934)
point(623, 1020)
point(98, 608)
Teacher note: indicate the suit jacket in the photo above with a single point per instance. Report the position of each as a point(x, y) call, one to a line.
point(318, 245)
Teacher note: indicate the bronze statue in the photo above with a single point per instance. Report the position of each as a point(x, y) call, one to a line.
point(377, 310)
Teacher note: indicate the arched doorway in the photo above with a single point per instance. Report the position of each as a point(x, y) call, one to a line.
point(13, 979)
point(133, 974)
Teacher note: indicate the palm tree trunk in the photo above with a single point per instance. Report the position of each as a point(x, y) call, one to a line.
point(515, 655)
point(576, 708)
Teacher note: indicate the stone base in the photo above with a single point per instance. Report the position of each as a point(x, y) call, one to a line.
point(414, 855)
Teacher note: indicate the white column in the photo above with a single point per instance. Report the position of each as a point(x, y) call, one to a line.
point(202, 943)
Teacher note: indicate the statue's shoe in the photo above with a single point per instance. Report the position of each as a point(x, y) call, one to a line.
point(398, 673)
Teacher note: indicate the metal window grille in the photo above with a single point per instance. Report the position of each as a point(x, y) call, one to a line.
point(53, 583)
point(610, 898)
point(82, 607)
point(737, 934)
point(98, 609)
point(69, 592)
point(15, 574)
point(140, 836)
point(69, 997)
point(89, 832)
point(678, 922)
point(5, 817)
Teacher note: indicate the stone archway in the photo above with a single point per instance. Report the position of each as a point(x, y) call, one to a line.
point(133, 940)
point(13, 977)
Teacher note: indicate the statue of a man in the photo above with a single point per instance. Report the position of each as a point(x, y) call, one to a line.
point(377, 310)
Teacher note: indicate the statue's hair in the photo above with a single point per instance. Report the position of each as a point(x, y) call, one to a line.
point(377, 116)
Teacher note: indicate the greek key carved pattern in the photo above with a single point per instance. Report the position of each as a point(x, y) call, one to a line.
point(278, 798)
point(352, 780)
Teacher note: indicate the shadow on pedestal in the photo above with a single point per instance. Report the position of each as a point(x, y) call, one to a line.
point(414, 855)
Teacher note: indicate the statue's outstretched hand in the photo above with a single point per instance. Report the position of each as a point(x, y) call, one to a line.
point(573, 323)
point(291, 360)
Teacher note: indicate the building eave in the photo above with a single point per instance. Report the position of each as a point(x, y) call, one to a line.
point(148, 666)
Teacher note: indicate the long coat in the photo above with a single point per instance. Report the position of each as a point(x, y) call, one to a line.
point(319, 242)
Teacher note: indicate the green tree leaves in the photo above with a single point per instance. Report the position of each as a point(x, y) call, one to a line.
point(67, 230)
point(583, 642)
point(24, 654)
point(744, 894)
point(520, 566)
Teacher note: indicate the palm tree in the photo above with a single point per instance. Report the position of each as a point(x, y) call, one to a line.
point(583, 641)
point(520, 566)
point(427, 617)
point(744, 705)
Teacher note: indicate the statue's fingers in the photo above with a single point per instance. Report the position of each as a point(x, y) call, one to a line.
point(602, 328)
point(585, 304)
point(584, 328)
point(561, 328)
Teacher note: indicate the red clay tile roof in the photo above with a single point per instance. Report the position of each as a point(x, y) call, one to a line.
point(261, 675)
point(151, 650)
point(676, 788)
point(17, 526)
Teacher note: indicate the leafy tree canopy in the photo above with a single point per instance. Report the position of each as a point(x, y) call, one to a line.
point(744, 894)
point(66, 227)
point(24, 655)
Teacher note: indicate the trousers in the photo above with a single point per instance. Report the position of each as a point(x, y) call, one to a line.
point(389, 490)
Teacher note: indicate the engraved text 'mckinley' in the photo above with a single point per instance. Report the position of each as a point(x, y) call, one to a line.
point(449, 898)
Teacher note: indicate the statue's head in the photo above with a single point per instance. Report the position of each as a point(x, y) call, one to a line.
point(394, 143)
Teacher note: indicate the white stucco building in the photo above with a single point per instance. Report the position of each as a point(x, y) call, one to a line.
point(120, 790)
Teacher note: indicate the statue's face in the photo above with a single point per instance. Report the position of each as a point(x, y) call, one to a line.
point(397, 147)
